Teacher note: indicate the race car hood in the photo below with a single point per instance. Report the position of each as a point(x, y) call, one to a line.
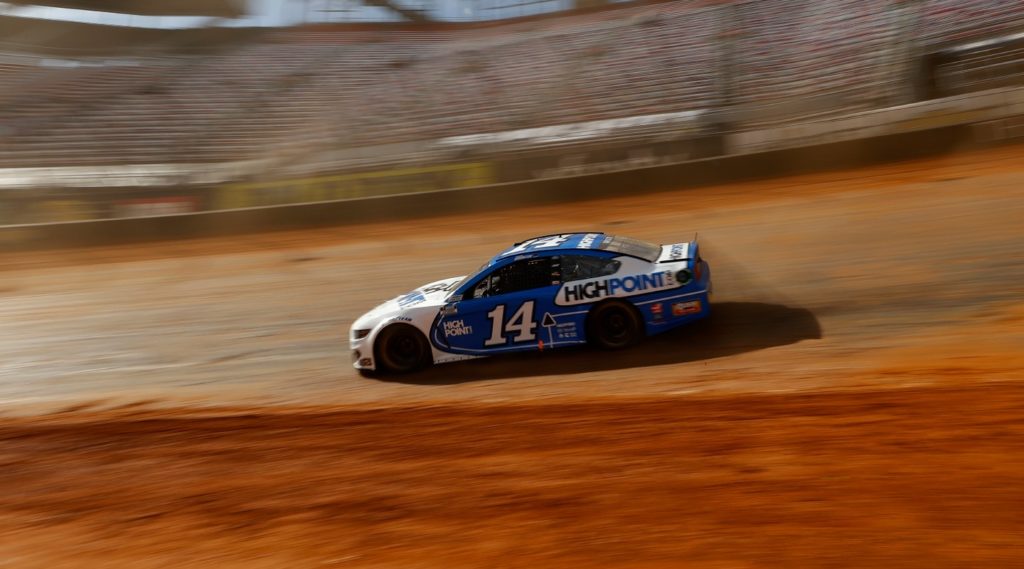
point(430, 295)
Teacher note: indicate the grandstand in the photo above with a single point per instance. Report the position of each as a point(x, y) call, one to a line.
point(304, 90)
point(813, 56)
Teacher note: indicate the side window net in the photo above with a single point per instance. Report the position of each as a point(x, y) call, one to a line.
point(521, 275)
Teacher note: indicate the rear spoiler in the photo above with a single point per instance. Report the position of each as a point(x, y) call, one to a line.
point(676, 252)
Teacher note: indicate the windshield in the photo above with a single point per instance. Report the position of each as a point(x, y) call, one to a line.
point(633, 247)
point(464, 280)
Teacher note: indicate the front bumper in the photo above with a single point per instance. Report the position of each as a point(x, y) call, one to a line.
point(362, 355)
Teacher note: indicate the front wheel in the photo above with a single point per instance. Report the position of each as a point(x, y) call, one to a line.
point(614, 325)
point(401, 349)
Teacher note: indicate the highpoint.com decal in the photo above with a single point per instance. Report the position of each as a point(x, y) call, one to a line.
point(582, 292)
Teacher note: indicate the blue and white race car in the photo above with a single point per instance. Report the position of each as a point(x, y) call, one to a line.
point(543, 293)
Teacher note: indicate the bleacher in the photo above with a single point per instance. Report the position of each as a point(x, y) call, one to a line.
point(805, 57)
point(300, 90)
point(950, 21)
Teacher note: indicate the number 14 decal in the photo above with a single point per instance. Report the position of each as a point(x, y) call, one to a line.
point(522, 323)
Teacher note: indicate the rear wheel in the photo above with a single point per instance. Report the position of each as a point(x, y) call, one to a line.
point(401, 348)
point(614, 325)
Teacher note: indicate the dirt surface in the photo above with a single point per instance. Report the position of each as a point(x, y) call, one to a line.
point(914, 478)
point(853, 401)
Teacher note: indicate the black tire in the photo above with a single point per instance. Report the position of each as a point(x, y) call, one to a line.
point(614, 325)
point(400, 348)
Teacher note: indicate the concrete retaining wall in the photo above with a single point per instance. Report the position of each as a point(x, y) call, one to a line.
point(843, 154)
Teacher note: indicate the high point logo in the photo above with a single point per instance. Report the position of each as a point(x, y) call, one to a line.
point(589, 291)
point(457, 328)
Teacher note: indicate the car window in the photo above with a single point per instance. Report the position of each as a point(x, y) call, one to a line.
point(632, 247)
point(521, 275)
point(580, 267)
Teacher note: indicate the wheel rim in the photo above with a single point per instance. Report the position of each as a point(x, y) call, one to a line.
point(617, 328)
point(404, 351)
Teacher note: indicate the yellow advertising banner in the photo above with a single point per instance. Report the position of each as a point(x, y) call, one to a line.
point(52, 211)
point(353, 186)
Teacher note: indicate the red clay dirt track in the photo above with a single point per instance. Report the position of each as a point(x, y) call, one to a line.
point(854, 402)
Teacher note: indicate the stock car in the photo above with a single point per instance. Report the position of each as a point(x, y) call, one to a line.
point(543, 293)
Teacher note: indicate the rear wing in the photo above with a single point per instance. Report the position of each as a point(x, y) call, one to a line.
point(688, 251)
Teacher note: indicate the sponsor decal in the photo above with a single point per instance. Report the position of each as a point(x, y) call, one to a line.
point(684, 308)
point(457, 328)
point(400, 319)
point(558, 331)
point(580, 166)
point(439, 287)
point(588, 241)
point(413, 298)
point(678, 251)
point(61, 210)
point(574, 131)
point(149, 207)
point(656, 310)
point(356, 185)
point(537, 243)
point(582, 292)
point(566, 331)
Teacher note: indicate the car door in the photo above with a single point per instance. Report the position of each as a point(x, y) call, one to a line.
point(502, 310)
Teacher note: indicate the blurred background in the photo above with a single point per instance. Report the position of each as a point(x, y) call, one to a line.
point(120, 109)
point(185, 398)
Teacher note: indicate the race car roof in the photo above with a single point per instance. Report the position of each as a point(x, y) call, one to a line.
point(582, 241)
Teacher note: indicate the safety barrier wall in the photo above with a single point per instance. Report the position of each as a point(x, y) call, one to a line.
point(472, 167)
point(486, 165)
point(352, 186)
point(897, 133)
point(58, 205)
point(497, 196)
point(925, 115)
